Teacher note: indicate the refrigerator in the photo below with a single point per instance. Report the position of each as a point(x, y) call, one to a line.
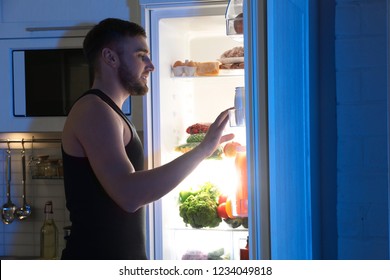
point(281, 132)
point(196, 31)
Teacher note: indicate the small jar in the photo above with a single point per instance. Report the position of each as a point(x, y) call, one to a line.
point(50, 168)
point(37, 165)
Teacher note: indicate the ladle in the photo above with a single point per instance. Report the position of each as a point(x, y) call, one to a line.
point(8, 210)
point(24, 211)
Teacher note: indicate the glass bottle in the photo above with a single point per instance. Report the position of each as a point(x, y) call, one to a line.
point(49, 235)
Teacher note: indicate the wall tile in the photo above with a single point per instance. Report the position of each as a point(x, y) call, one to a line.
point(360, 52)
point(349, 86)
point(373, 18)
point(22, 238)
point(374, 84)
point(362, 120)
point(348, 19)
point(362, 165)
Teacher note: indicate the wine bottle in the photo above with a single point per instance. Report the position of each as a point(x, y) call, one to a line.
point(49, 235)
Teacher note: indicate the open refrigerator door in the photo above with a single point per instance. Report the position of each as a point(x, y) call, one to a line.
point(199, 73)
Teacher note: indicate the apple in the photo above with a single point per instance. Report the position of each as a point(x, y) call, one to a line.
point(230, 149)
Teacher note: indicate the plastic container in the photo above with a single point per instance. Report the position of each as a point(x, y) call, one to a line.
point(241, 199)
point(239, 105)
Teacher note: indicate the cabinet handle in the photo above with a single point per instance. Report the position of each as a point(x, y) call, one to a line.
point(58, 28)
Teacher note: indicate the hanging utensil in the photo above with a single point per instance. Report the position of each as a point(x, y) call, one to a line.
point(24, 211)
point(8, 210)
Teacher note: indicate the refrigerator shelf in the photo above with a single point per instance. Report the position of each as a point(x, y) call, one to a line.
point(240, 229)
point(222, 73)
point(191, 244)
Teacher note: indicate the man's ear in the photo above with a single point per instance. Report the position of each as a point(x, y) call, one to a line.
point(109, 56)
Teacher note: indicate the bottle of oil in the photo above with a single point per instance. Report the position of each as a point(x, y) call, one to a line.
point(49, 235)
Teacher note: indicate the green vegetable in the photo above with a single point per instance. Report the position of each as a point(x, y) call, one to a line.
point(196, 137)
point(199, 208)
point(236, 222)
point(245, 222)
point(184, 148)
point(183, 195)
point(216, 255)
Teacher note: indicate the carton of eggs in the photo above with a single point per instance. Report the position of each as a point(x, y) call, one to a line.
point(187, 68)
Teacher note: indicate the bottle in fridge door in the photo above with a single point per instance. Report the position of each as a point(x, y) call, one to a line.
point(198, 69)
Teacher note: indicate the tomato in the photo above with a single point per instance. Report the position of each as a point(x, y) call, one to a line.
point(222, 198)
point(221, 209)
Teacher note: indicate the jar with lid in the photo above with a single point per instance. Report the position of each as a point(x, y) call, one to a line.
point(51, 168)
point(37, 166)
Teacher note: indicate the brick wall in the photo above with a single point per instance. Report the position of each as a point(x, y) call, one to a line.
point(361, 80)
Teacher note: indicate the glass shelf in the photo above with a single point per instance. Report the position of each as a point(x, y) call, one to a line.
point(222, 73)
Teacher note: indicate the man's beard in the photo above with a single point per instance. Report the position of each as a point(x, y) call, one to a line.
point(131, 83)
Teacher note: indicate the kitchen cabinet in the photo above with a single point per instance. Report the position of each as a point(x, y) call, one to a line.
point(46, 18)
point(44, 24)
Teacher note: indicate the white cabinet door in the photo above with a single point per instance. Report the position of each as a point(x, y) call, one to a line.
point(47, 18)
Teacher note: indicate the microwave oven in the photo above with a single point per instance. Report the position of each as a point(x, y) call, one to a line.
point(46, 82)
point(37, 99)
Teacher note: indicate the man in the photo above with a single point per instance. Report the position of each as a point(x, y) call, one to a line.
point(105, 186)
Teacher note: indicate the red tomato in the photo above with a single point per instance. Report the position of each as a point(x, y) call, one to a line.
point(222, 198)
point(221, 209)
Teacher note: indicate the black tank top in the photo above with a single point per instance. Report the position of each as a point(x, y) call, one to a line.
point(100, 228)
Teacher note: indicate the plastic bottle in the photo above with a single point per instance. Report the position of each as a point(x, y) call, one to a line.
point(49, 235)
point(239, 105)
point(241, 199)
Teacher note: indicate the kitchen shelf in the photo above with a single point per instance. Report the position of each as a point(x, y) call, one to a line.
point(48, 177)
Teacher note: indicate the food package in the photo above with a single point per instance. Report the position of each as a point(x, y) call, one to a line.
point(186, 68)
point(207, 68)
point(232, 58)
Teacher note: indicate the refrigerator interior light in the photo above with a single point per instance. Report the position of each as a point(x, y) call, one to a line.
point(234, 20)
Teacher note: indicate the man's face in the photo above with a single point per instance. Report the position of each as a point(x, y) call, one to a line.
point(135, 65)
